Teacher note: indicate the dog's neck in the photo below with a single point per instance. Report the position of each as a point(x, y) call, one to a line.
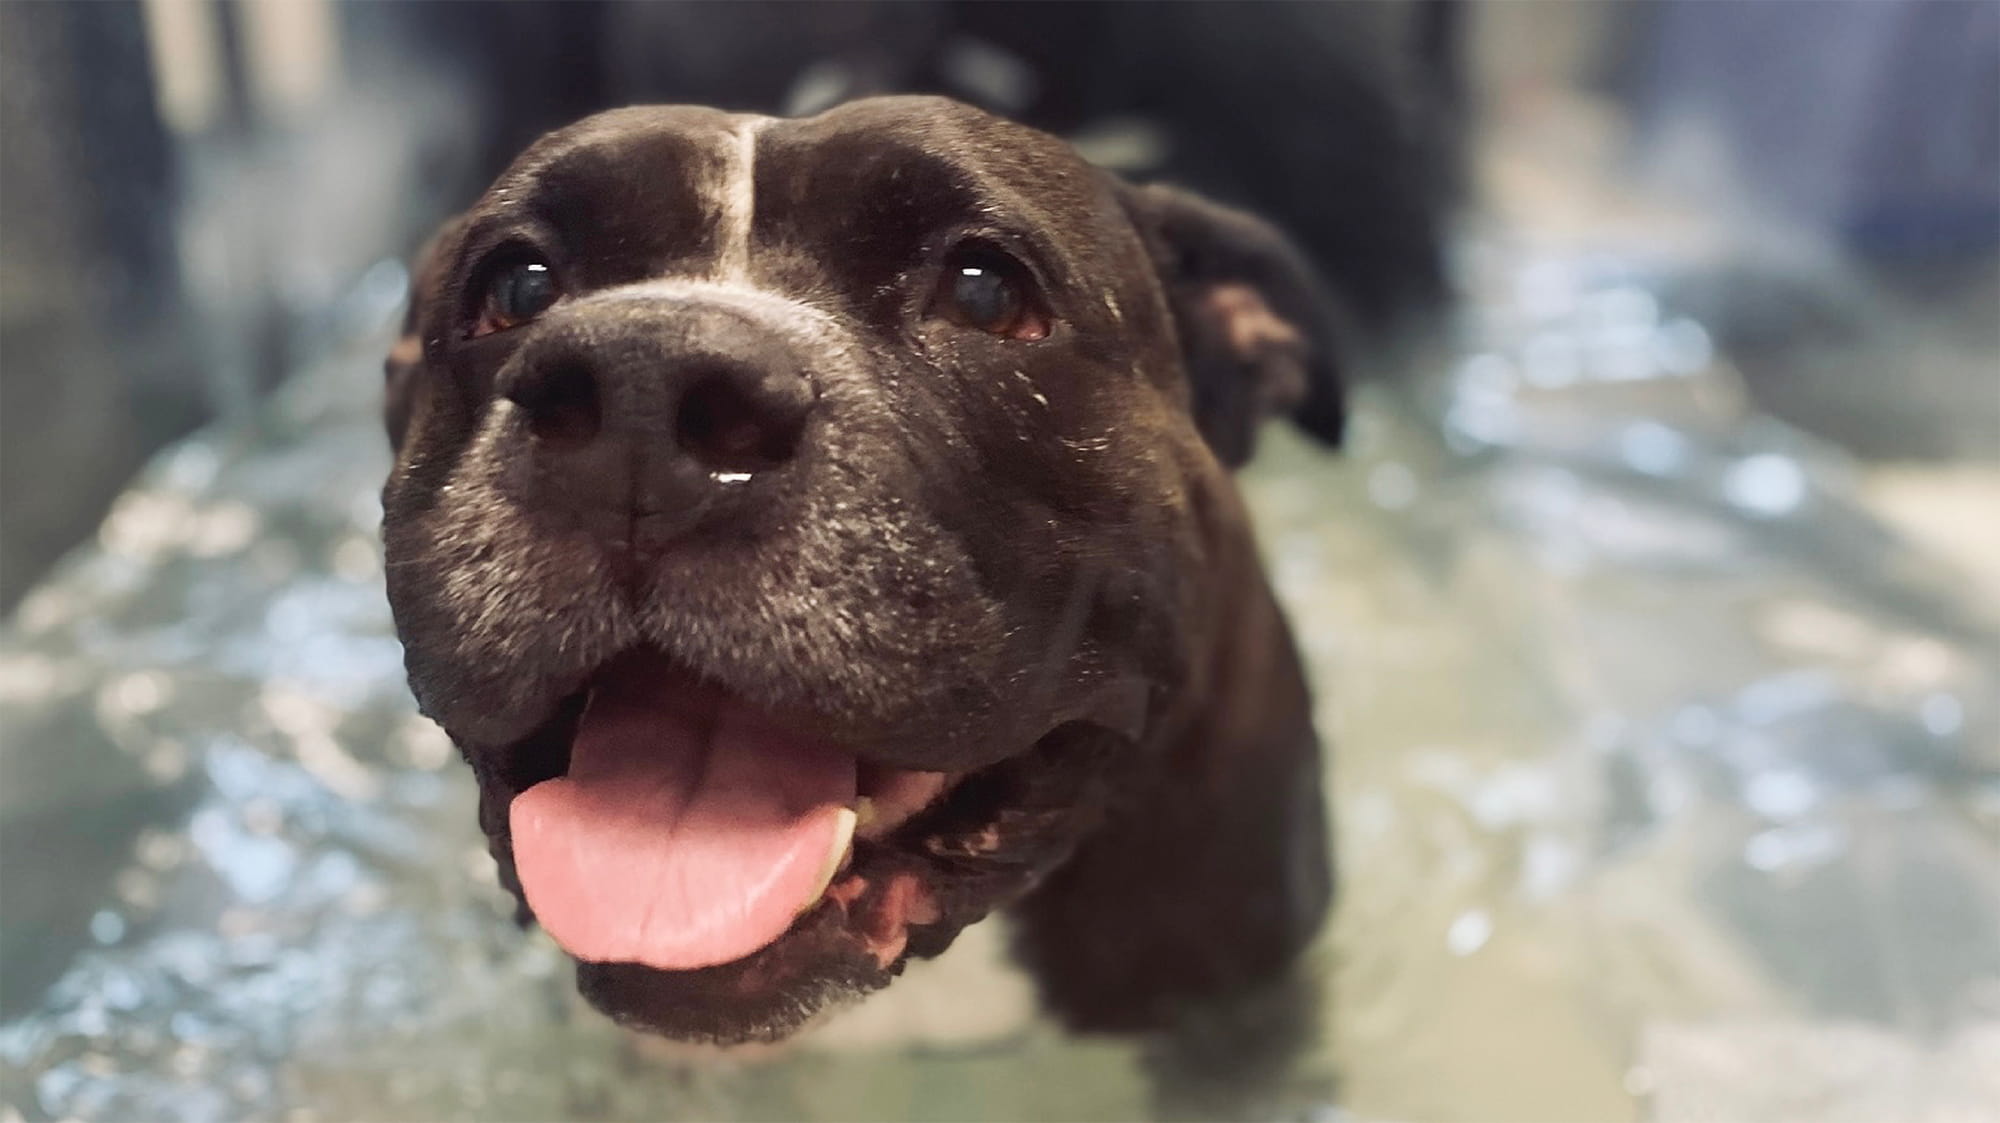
point(1234, 820)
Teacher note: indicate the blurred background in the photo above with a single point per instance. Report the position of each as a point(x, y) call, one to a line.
point(1652, 604)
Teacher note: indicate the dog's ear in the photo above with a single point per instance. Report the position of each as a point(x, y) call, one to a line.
point(406, 357)
point(1261, 335)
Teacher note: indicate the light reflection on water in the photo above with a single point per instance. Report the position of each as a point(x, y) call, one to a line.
point(1662, 778)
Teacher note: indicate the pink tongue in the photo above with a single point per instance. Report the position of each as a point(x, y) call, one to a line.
point(688, 832)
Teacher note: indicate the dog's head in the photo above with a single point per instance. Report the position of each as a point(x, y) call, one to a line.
point(804, 526)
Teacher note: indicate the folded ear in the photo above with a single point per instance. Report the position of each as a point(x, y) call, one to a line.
point(1261, 335)
point(406, 357)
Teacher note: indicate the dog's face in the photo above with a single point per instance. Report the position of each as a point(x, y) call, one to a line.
point(803, 526)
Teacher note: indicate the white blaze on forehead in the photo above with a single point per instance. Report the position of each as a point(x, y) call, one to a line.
point(738, 199)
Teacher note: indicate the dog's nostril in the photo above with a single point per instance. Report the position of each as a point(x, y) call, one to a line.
point(561, 403)
point(728, 430)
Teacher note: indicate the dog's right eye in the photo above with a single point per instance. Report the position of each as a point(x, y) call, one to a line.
point(988, 290)
point(514, 295)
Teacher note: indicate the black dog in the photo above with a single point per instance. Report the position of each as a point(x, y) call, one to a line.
point(819, 533)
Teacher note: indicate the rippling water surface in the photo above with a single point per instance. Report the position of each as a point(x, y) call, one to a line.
point(1667, 786)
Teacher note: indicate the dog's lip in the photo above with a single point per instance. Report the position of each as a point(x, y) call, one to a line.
point(1120, 702)
point(887, 786)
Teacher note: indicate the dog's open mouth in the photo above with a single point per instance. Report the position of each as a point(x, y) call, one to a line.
point(689, 830)
point(662, 823)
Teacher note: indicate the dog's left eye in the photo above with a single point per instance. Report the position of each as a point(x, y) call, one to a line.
point(514, 295)
point(988, 290)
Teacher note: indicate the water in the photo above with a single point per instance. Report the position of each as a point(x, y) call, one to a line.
point(1667, 786)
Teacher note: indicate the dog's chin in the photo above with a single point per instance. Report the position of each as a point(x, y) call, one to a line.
point(821, 963)
point(929, 854)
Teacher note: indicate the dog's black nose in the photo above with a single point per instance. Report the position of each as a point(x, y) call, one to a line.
point(646, 422)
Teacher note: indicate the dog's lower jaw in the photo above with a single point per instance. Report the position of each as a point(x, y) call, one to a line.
point(978, 848)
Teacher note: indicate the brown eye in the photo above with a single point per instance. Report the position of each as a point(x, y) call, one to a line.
point(988, 290)
point(515, 294)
